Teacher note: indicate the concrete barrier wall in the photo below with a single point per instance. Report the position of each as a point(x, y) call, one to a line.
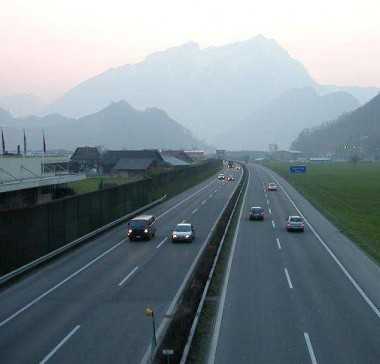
point(29, 233)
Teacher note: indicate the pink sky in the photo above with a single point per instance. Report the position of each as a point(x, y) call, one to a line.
point(48, 47)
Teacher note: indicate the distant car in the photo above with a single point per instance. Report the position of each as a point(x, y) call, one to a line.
point(142, 227)
point(256, 213)
point(272, 186)
point(230, 178)
point(295, 223)
point(221, 176)
point(183, 232)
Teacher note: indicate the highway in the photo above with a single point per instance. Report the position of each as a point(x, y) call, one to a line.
point(87, 306)
point(310, 297)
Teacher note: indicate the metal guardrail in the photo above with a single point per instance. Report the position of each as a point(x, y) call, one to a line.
point(17, 272)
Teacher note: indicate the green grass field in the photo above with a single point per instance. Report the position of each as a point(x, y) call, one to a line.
point(348, 194)
point(92, 184)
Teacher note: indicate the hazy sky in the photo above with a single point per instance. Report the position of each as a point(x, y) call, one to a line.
point(48, 46)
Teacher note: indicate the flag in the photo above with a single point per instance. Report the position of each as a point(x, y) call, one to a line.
point(24, 143)
point(2, 141)
point(44, 142)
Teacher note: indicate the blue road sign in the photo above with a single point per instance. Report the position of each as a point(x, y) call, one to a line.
point(297, 169)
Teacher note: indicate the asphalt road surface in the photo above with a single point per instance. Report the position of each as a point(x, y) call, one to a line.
point(88, 305)
point(309, 297)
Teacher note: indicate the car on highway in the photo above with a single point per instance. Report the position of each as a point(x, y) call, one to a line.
point(295, 223)
point(230, 178)
point(272, 186)
point(256, 213)
point(221, 176)
point(142, 227)
point(183, 232)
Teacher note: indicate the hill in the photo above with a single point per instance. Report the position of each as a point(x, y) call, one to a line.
point(357, 132)
point(281, 120)
point(204, 88)
point(117, 126)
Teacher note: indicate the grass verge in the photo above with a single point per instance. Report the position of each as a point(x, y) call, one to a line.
point(348, 194)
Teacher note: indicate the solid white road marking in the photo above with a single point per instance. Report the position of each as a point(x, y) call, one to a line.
point(60, 344)
point(194, 211)
point(134, 270)
point(162, 242)
point(278, 243)
point(268, 202)
point(337, 261)
point(310, 348)
point(216, 333)
point(288, 278)
point(184, 200)
point(270, 211)
point(273, 224)
point(40, 297)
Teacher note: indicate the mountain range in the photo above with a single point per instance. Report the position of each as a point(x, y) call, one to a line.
point(252, 88)
point(117, 126)
point(357, 132)
point(203, 88)
point(280, 121)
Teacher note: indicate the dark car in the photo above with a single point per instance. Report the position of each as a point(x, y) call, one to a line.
point(142, 227)
point(295, 223)
point(183, 232)
point(256, 213)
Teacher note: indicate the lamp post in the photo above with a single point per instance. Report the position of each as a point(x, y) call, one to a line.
point(150, 313)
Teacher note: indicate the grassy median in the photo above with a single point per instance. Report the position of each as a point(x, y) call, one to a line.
point(348, 194)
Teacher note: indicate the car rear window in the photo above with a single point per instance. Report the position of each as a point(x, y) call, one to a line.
point(296, 219)
point(257, 209)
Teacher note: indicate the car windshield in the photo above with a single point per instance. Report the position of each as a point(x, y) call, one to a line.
point(296, 219)
point(257, 209)
point(182, 228)
point(137, 224)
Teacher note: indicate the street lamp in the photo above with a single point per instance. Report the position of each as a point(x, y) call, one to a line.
point(150, 313)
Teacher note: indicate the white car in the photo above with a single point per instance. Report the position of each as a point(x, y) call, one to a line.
point(272, 187)
point(221, 176)
point(183, 232)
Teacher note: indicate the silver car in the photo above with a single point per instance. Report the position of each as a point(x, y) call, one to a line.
point(183, 232)
point(295, 223)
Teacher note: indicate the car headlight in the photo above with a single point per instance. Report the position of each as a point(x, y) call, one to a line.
point(129, 231)
point(174, 235)
point(146, 231)
point(187, 236)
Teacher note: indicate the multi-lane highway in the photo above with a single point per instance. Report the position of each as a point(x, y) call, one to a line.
point(310, 297)
point(88, 305)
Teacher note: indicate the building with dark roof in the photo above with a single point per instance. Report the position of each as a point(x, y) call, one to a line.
point(85, 158)
point(134, 167)
point(111, 157)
